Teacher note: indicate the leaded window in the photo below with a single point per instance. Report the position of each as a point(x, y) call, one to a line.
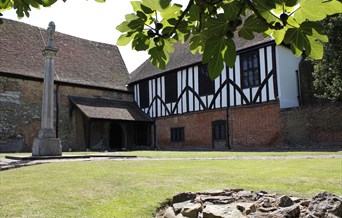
point(250, 69)
point(219, 130)
point(144, 93)
point(171, 87)
point(206, 85)
point(177, 134)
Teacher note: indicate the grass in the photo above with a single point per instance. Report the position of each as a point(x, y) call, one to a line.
point(189, 154)
point(217, 154)
point(136, 188)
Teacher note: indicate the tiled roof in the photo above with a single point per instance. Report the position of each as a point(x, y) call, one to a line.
point(78, 61)
point(100, 108)
point(183, 57)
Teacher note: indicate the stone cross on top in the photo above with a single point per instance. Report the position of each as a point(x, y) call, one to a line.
point(50, 34)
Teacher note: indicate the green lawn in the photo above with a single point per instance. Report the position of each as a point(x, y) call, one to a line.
point(217, 154)
point(188, 154)
point(135, 188)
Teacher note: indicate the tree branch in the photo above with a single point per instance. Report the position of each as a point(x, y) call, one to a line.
point(180, 18)
point(261, 18)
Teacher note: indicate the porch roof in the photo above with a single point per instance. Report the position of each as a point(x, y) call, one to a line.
point(108, 109)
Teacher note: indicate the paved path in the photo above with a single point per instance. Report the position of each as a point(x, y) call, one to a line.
point(6, 164)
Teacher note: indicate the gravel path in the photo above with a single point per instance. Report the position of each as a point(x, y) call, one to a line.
point(6, 164)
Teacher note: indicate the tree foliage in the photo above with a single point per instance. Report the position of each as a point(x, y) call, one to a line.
point(328, 72)
point(210, 25)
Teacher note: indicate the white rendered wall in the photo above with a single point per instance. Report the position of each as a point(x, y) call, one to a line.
point(287, 65)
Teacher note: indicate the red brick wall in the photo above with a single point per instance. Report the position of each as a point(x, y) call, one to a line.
point(256, 126)
point(197, 129)
point(260, 127)
point(316, 126)
point(250, 127)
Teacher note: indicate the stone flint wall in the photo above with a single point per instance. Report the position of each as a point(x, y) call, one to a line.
point(20, 112)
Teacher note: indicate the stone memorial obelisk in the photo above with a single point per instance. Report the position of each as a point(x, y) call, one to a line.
point(47, 144)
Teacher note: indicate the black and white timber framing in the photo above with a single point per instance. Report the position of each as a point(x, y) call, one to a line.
point(228, 91)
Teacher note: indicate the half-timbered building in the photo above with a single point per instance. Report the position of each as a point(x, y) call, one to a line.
point(239, 109)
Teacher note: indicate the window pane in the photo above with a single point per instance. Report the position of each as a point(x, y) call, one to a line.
point(206, 85)
point(250, 78)
point(219, 130)
point(177, 134)
point(143, 88)
point(171, 87)
point(256, 77)
point(255, 61)
point(249, 69)
point(245, 67)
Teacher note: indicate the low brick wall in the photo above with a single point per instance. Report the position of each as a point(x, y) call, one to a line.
point(316, 126)
point(250, 127)
point(255, 127)
point(197, 130)
point(259, 127)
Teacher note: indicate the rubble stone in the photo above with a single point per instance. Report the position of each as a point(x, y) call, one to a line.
point(235, 203)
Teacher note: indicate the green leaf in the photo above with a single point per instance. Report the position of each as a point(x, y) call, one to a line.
point(146, 9)
point(131, 16)
point(157, 5)
point(123, 27)
point(158, 57)
point(217, 25)
point(5, 5)
point(314, 29)
point(315, 10)
point(212, 49)
point(136, 5)
point(217, 50)
point(194, 13)
point(169, 46)
point(164, 3)
point(269, 16)
point(171, 12)
point(215, 67)
point(230, 53)
point(196, 44)
point(137, 24)
point(252, 24)
point(231, 10)
point(289, 3)
point(279, 35)
point(47, 3)
point(33, 3)
point(124, 39)
point(141, 15)
point(298, 40)
point(316, 48)
point(141, 42)
point(264, 5)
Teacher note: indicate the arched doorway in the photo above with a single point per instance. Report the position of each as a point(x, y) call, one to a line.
point(115, 136)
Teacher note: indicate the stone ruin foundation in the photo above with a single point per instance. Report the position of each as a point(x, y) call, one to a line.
point(235, 203)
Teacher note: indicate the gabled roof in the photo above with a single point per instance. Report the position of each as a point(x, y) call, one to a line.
point(78, 61)
point(107, 109)
point(182, 57)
